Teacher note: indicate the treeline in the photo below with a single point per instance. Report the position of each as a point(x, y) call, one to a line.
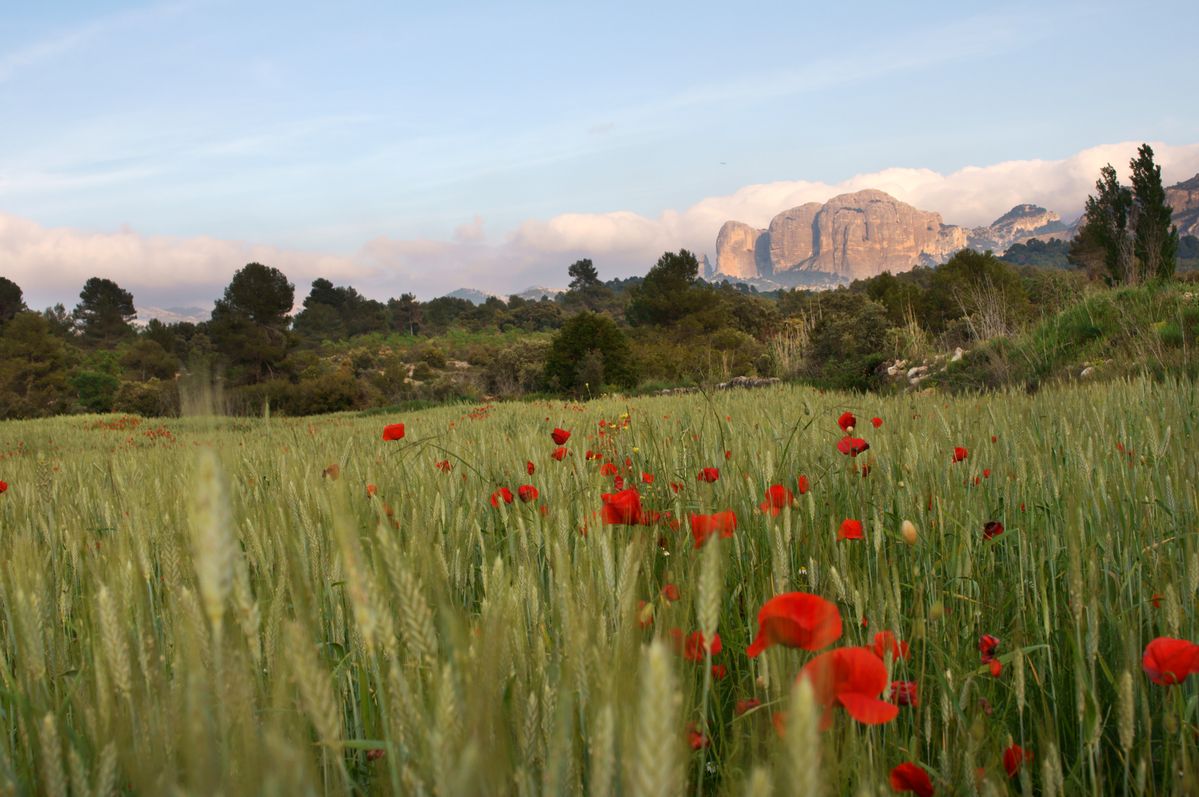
point(344, 351)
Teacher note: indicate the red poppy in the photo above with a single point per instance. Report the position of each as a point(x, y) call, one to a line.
point(994, 438)
point(694, 647)
point(885, 641)
point(443, 465)
point(696, 738)
point(911, 777)
point(850, 530)
point(370, 489)
point(802, 484)
point(530, 467)
point(708, 475)
point(502, 494)
point(876, 422)
point(670, 592)
point(559, 453)
point(719, 671)
point(374, 754)
point(847, 421)
point(852, 446)
point(1170, 661)
point(1155, 598)
point(987, 645)
point(527, 493)
point(986, 473)
point(393, 431)
point(618, 482)
point(796, 620)
point(704, 526)
point(622, 508)
point(647, 478)
point(959, 454)
point(608, 469)
point(992, 528)
point(745, 705)
point(903, 693)
point(675, 487)
point(778, 497)
point(852, 678)
point(1014, 757)
point(560, 436)
point(590, 455)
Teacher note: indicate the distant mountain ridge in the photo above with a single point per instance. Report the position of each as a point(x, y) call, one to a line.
point(862, 234)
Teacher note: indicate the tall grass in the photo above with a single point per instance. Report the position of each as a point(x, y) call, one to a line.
point(196, 608)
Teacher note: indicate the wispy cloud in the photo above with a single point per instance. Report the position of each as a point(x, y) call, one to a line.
point(51, 263)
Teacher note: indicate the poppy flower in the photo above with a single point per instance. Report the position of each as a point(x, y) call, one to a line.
point(333, 472)
point(560, 436)
point(443, 465)
point(622, 508)
point(852, 678)
point(708, 475)
point(986, 473)
point(3, 486)
point(1170, 661)
point(676, 487)
point(959, 454)
point(903, 693)
point(745, 705)
point(670, 592)
point(704, 526)
point(992, 528)
point(885, 641)
point(778, 497)
point(852, 446)
point(719, 672)
point(502, 494)
point(1155, 598)
point(911, 777)
point(696, 738)
point(647, 478)
point(1014, 757)
point(850, 530)
point(530, 467)
point(847, 421)
point(796, 620)
point(374, 754)
point(590, 455)
point(876, 422)
point(608, 469)
point(694, 647)
point(987, 645)
point(802, 484)
point(394, 431)
point(527, 493)
point(559, 453)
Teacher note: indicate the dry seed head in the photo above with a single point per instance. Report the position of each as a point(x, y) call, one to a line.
point(708, 605)
point(656, 765)
point(603, 754)
point(54, 780)
point(213, 546)
point(1126, 711)
point(115, 649)
point(802, 740)
point(908, 530)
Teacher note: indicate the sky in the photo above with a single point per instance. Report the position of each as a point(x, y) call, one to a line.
point(404, 147)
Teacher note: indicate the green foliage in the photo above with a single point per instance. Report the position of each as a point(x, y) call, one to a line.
point(847, 338)
point(151, 398)
point(1035, 252)
point(33, 369)
point(582, 334)
point(145, 359)
point(12, 300)
point(1156, 239)
point(95, 390)
point(583, 275)
point(104, 312)
point(669, 291)
point(249, 324)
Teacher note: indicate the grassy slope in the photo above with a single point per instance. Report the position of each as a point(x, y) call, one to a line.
point(497, 651)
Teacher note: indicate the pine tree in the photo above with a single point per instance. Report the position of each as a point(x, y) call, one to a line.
point(1105, 234)
point(1156, 239)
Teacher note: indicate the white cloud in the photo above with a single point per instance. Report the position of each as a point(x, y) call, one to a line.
point(167, 270)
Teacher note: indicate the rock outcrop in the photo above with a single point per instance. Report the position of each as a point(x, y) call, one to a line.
point(1184, 199)
point(851, 236)
point(1018, 225)
point(741, 251)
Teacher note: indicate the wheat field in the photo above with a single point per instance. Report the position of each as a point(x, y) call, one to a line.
point(298, 606)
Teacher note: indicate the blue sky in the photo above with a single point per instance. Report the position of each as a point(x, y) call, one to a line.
point(341, 134)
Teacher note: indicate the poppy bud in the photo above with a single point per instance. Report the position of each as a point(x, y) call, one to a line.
point(908, 530)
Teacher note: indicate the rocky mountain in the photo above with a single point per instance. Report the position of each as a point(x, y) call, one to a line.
point(1184, 198)
point(858, 235)
point(1019, 225)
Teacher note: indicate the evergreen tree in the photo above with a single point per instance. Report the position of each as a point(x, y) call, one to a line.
point(12, 300)
point(669, 291)
point(249, 324)
point(104, 312)
point(583, 275)
point(1156, 239)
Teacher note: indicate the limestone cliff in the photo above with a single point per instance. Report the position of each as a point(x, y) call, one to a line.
point(1184, 199)
point(740, 251)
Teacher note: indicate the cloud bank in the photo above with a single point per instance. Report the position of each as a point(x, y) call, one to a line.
point(51, 264)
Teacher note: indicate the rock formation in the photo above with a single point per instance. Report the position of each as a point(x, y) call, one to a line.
point(1184, 199)
point(739, 251)
point(851, 236)
point(1018, 225)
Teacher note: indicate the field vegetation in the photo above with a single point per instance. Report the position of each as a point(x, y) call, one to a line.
point(479, 605)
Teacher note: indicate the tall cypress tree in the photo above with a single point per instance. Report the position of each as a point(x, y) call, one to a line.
point(1106, 232)
point(1156, 241)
